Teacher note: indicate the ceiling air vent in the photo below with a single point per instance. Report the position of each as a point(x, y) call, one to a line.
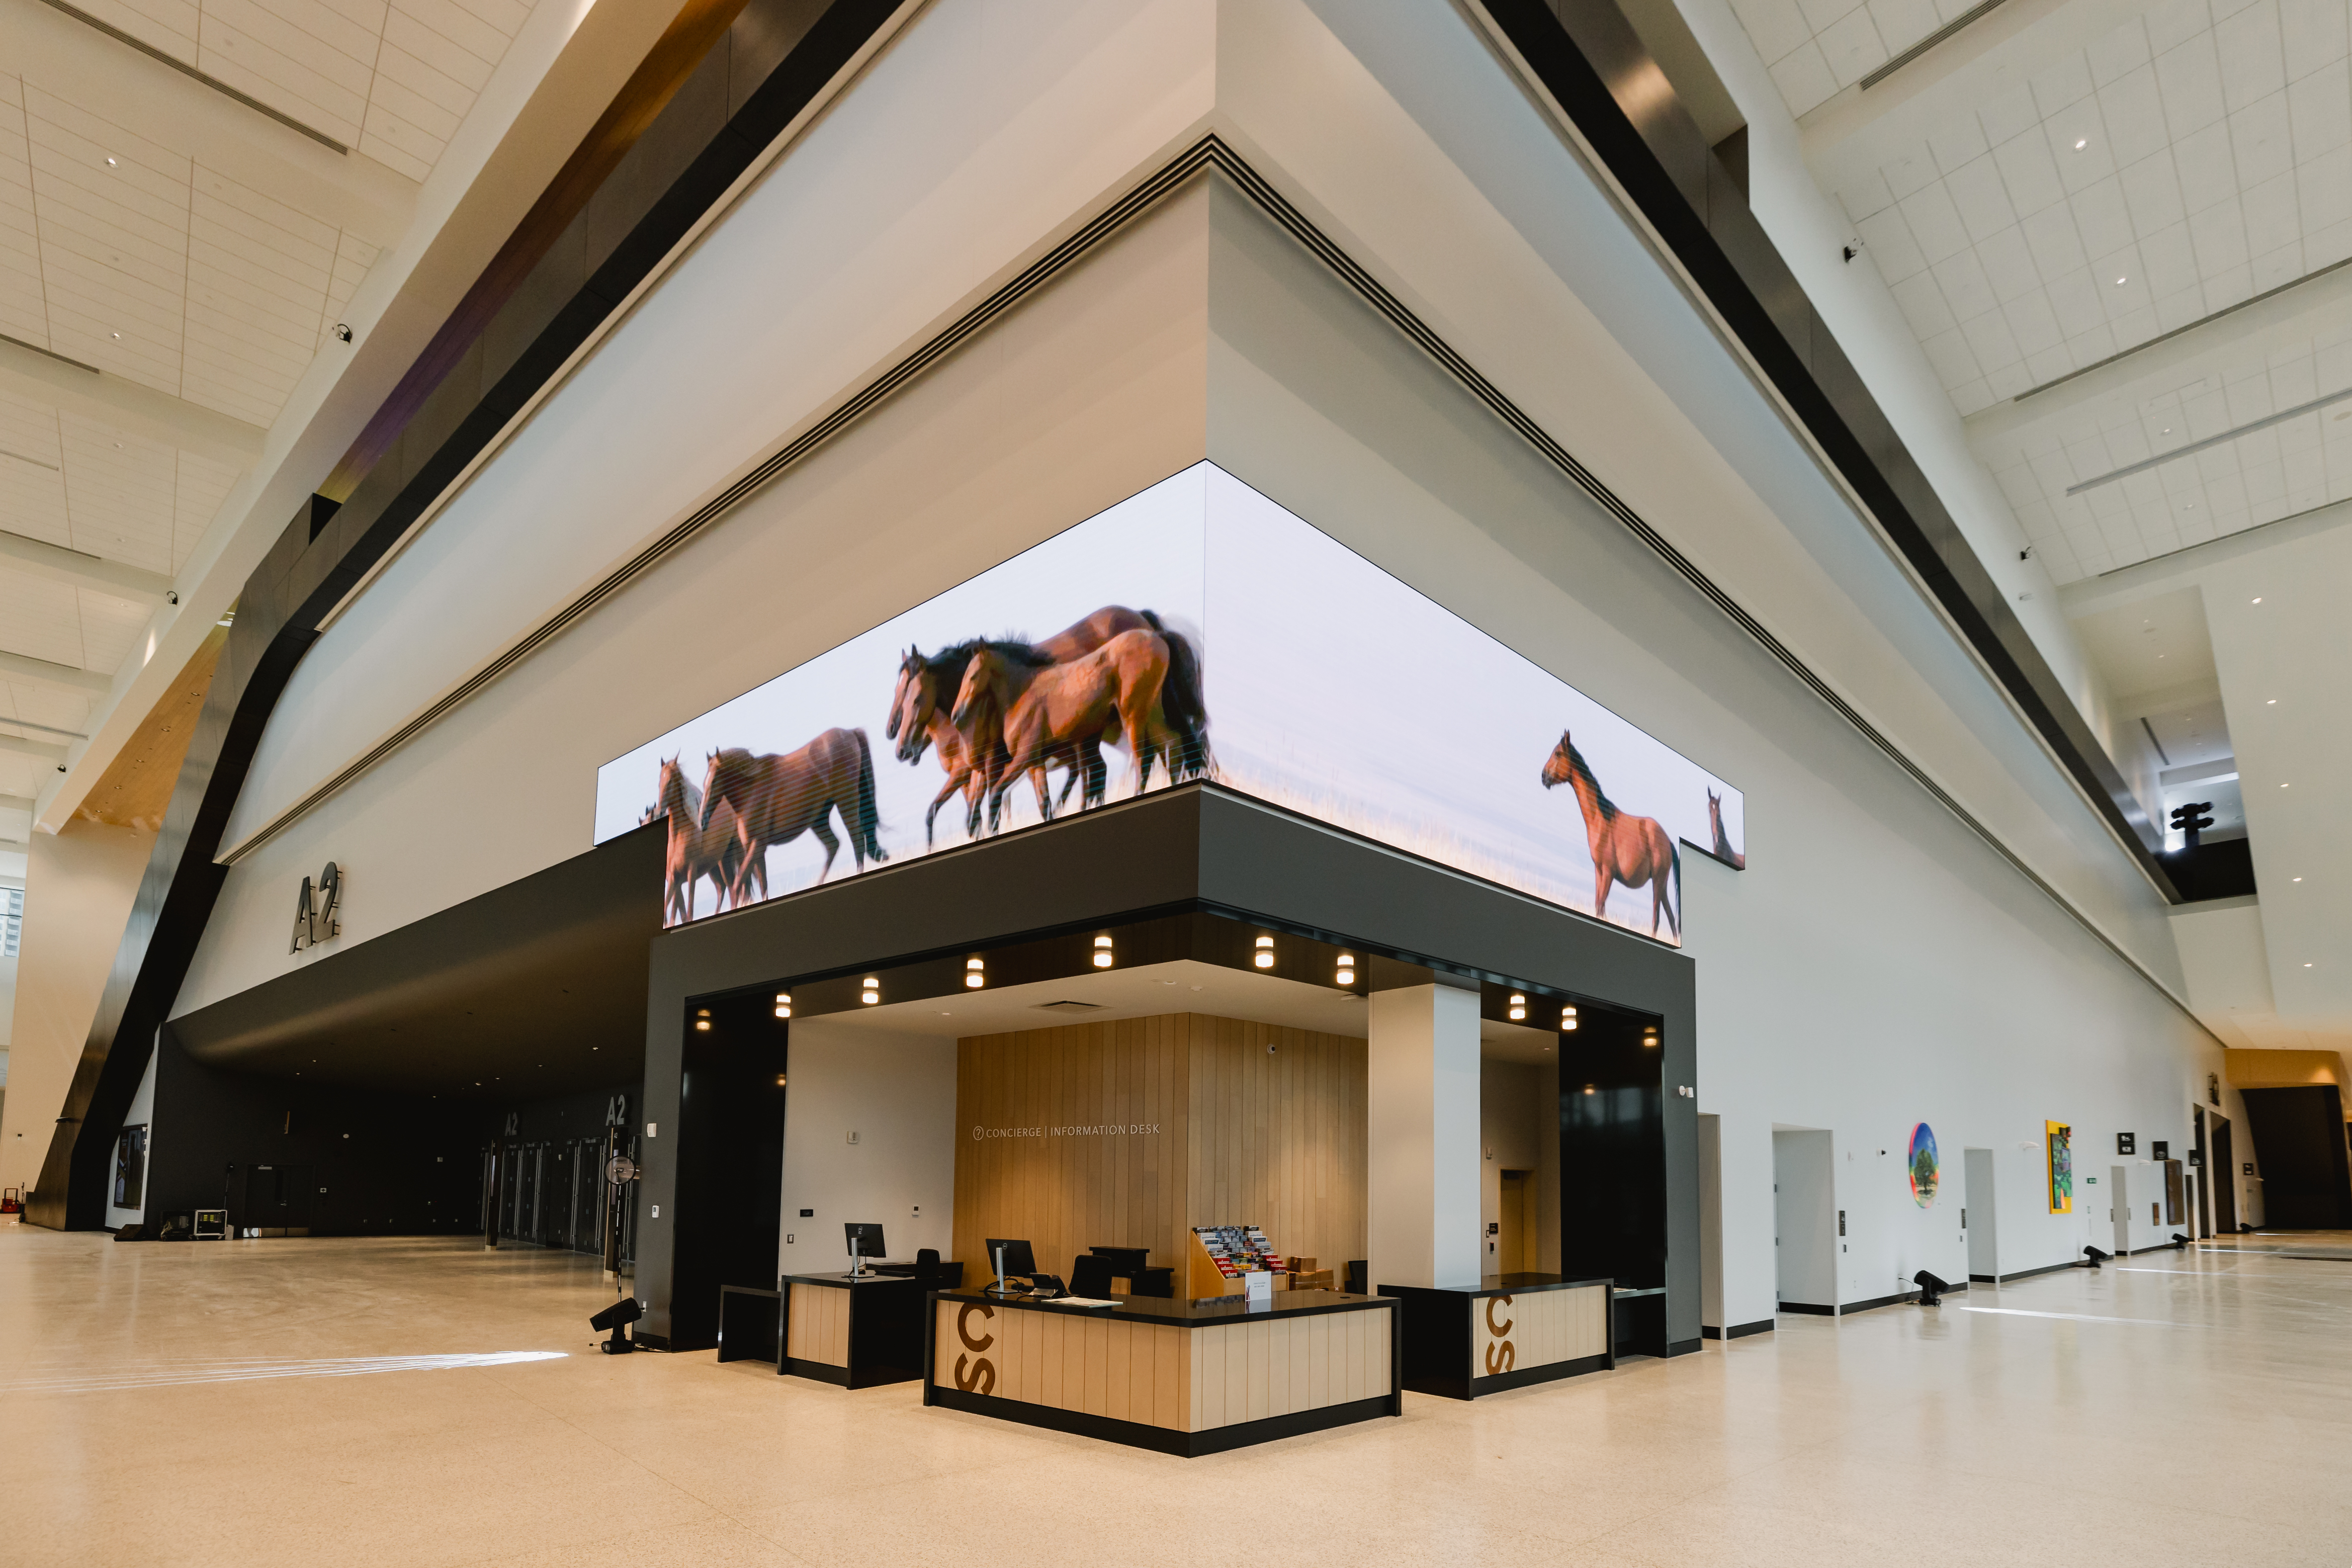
point(1070, 1006)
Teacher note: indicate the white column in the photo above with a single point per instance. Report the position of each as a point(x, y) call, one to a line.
point(1422, 1187)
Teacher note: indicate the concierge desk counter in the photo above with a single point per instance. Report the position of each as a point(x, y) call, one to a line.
point(1177, 1376)
point(1514, 1330)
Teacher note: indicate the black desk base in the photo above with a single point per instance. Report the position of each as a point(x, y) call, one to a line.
point(1161, 1439)
point(881, 1341)
point(750, 1325)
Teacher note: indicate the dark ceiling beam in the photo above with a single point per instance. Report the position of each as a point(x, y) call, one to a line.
point(1587, 56)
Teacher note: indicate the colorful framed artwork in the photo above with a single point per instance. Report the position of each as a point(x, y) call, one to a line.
point(2059, 1139)
point(1922, 1166)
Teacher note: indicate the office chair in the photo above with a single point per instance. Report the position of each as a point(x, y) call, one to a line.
point(926, 1265)
point(1090, 1276)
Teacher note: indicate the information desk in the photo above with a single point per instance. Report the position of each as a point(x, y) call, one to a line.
point(1177, 1376)
point(1514, 1330)
point(858, 1332)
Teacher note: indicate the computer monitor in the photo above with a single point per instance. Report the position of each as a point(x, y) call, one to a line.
point(865, 1243)
point(1124, 1259)
point(1019, 1262)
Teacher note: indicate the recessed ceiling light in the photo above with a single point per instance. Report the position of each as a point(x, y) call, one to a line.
point(110, 161)
point(2121, 281)
point(2271, 703)
point(2298, 878)
point(2080, 142)
point(2257, 598)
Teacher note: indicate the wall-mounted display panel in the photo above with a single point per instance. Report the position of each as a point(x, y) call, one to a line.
point(1196, 630)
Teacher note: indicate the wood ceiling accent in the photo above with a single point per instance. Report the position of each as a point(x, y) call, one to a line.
point(1245, 1136)
point(136, 788)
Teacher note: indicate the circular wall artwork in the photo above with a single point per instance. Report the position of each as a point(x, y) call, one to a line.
point(1924, 1170)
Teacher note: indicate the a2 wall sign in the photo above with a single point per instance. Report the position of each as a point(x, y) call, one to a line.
point(318, 912)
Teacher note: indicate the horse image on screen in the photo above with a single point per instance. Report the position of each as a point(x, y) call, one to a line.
point(1338, 692)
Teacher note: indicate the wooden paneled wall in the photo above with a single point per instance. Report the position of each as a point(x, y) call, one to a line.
point(1243, 1136)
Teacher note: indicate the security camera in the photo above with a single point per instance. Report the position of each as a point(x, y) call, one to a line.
point(342, 333)
point(170, 598)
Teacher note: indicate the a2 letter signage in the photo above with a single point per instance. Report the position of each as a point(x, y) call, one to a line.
point(318, 912)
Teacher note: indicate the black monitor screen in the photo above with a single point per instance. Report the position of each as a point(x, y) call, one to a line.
point(1124, 1258)
point(865, 1240)
point(1019, 1262)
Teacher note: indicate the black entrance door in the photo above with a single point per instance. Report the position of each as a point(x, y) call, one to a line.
point(276, 1197)
point(2225, 1179)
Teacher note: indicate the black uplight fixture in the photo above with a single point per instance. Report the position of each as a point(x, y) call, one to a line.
point(617, 1317)
point(1931, 1289)
point(2179, 1242)
point(2093, 1257)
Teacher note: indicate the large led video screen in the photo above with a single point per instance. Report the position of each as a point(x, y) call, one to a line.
point(1195, 631)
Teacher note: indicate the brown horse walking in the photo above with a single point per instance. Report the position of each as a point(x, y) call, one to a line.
point(918, 720)
point(1635, 850)
point(715, 851)
point(1723, 849)
point(778, 798)
point(970, 751)
point(1052, 709)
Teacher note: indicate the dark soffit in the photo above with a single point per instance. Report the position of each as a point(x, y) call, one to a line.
point(532, 990)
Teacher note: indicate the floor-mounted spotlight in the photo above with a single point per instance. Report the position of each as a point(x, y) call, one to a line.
point(2093, 1257)
point(1931, 1289)
point(617, 1317)
point(2179, 1242)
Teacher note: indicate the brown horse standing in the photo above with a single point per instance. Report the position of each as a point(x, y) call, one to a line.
point(1051, 708)
point(696, 851)
point(778, 798)
point(1635, 850)
point(1723, 849)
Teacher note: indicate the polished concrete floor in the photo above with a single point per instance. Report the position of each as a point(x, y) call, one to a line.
point(327, 1402)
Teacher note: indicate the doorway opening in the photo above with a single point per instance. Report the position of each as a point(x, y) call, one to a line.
point(1805, 1220)
point(2223, 1164)
point(1515, 1240)
point(1980, 1216)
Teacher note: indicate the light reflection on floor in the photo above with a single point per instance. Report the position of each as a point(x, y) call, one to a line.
point(166, 1375)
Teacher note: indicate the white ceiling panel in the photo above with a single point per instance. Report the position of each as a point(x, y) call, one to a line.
point(2183, 163)
point(202, 486)
point(2275, 473)
point(110, 627)
point(119, 494)
point(41, 618)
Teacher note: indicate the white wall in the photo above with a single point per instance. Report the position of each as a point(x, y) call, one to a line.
point(1876, 965)
point(897, 1092)
point(141, 1114)
point(817, 280)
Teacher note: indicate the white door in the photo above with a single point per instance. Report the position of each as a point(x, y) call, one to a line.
point(1804, 1219)
point(1984, 1252)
